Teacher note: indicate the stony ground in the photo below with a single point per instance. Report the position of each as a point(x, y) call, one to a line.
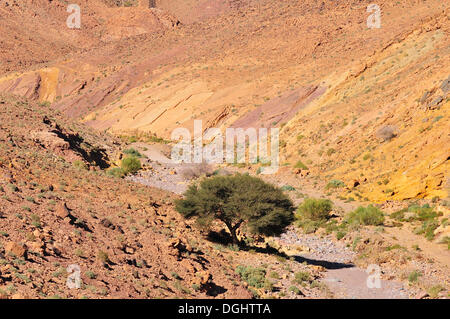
point(368, 108)
point(338, 263)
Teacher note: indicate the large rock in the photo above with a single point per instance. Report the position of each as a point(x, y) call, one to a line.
point(16, 249)
point(62, 211)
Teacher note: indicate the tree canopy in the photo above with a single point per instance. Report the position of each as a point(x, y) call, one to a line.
point(236, 200)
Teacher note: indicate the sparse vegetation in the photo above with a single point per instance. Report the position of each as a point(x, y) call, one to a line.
point(335, 184)
point(115, 172)
point(413, 277)
point(255, 277)
point(314, 209)
point(386, 133)
point(369, 215)
point(132, 152)
point(300, 165)
point(130, 165)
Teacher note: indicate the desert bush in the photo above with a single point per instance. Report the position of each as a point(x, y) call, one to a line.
point(103, 257)
point(335, 183)
point(91, 274)
point(132, 152)
point(414, 276)
point(435, 290)
point(386, 133)
point(445, 240)
point(80, 165)
point(301, 277)
point(427, 228)
point(236, 200)
point(130, 165)
point(288, 188)
point(115, 172)
point(295, 290)
point(255, 277)
point(369, 215)
point(423, 213)
point(314, 209)
point(399, 215)
point(300, 165)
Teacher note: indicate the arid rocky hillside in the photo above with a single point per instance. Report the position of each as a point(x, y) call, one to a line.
point(363, 115)
point(253, 57)
point(58, 208)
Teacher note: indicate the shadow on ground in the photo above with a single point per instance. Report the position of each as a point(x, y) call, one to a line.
point(324, 263)
point(223, 238)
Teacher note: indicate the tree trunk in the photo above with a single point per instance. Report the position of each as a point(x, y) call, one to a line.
point(232, 230)
point(234, 236)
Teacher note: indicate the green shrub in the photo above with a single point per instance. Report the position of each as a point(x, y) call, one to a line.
point(301, 277)
point(340, 234)
point(424, 213)
point(414, 276)
point(445, 240)
point(300, 165)
point(115, 172)
point(91, 274)
point(369, 215)
point(13, 187)
point(314, 209)
point(427, 228)
point(103, 257)
point(80, 165)
point(309, 226)
point(130, 165)
point(132, 152)
point(335, 183)
point(295, 290)
point(274, 275)
point(255, 277)
point(435, 290)
point(288, 188)
point(399, 215)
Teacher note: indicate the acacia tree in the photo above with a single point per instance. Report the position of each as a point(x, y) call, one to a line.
point(236, 200)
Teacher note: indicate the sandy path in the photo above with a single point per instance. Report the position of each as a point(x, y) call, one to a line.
point(342, 277)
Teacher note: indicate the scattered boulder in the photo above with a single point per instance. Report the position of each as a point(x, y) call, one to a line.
point(424, 97)
point(16, 249)
point(445, 86)
point(129, 250)
point(63, 211)
point(301, 172)
point(434, 104)
point(107, 223)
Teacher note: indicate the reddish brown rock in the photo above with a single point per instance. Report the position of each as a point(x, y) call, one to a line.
point(16, 249)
